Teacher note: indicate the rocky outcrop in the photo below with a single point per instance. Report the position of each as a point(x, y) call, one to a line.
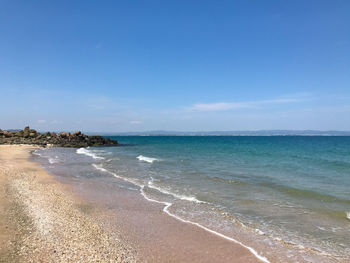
point(63, 139)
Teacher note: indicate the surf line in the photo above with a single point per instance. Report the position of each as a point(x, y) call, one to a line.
point(167, 205)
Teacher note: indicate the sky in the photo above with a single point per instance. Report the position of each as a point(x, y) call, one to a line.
point(118, 66)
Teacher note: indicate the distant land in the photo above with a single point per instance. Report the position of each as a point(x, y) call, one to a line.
point(216, 133)
point(230, 133)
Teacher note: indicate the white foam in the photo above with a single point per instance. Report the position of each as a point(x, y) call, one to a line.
point(259, 231)
point(100, 168)
point(36, 153)
point(53, 160)
point(147, 159)
point(348, 215)
point(89, 153)
point(167, 205)
point(165, 191)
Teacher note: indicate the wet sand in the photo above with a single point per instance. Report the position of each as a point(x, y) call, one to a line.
point(46, 220)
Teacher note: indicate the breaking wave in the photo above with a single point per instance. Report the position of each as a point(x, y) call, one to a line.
point(89, 153)
point(147, 159)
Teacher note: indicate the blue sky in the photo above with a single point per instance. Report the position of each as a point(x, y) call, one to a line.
point(175, 65)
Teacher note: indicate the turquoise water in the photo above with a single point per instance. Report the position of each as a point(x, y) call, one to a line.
point(291, 189)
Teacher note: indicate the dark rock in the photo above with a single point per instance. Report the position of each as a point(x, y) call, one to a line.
point(26, 132)
point(63, 139)
point(19, 134)
point(77, 133)
point(63, 135)
point(8, 134)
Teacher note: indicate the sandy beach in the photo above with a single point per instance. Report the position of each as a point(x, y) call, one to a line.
point(46, 220)
point(42, 221)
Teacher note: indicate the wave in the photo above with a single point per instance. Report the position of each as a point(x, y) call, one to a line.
point(89, 153)
point(348, 215)
point(223, 180)
point(147, 159)
point(307, 194)
point(178, 196)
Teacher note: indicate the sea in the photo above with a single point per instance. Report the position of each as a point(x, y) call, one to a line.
point(286, 191)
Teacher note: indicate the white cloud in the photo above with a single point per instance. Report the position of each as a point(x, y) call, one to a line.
point(218, 106)
point(136, 122)
point(224, 106)
point(99, 102)
point(41, 121)
point(97, 107)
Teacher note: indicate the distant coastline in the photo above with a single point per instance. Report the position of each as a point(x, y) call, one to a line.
point(205, 133)
point(228, 133)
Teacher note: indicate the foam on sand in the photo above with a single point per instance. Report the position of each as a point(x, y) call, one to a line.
point(36, 153)
point(99, 167)
point(178, 196)
point(87, 152)
point(147, 159)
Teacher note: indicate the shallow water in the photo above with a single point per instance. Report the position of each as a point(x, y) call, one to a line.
point(293, 190)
